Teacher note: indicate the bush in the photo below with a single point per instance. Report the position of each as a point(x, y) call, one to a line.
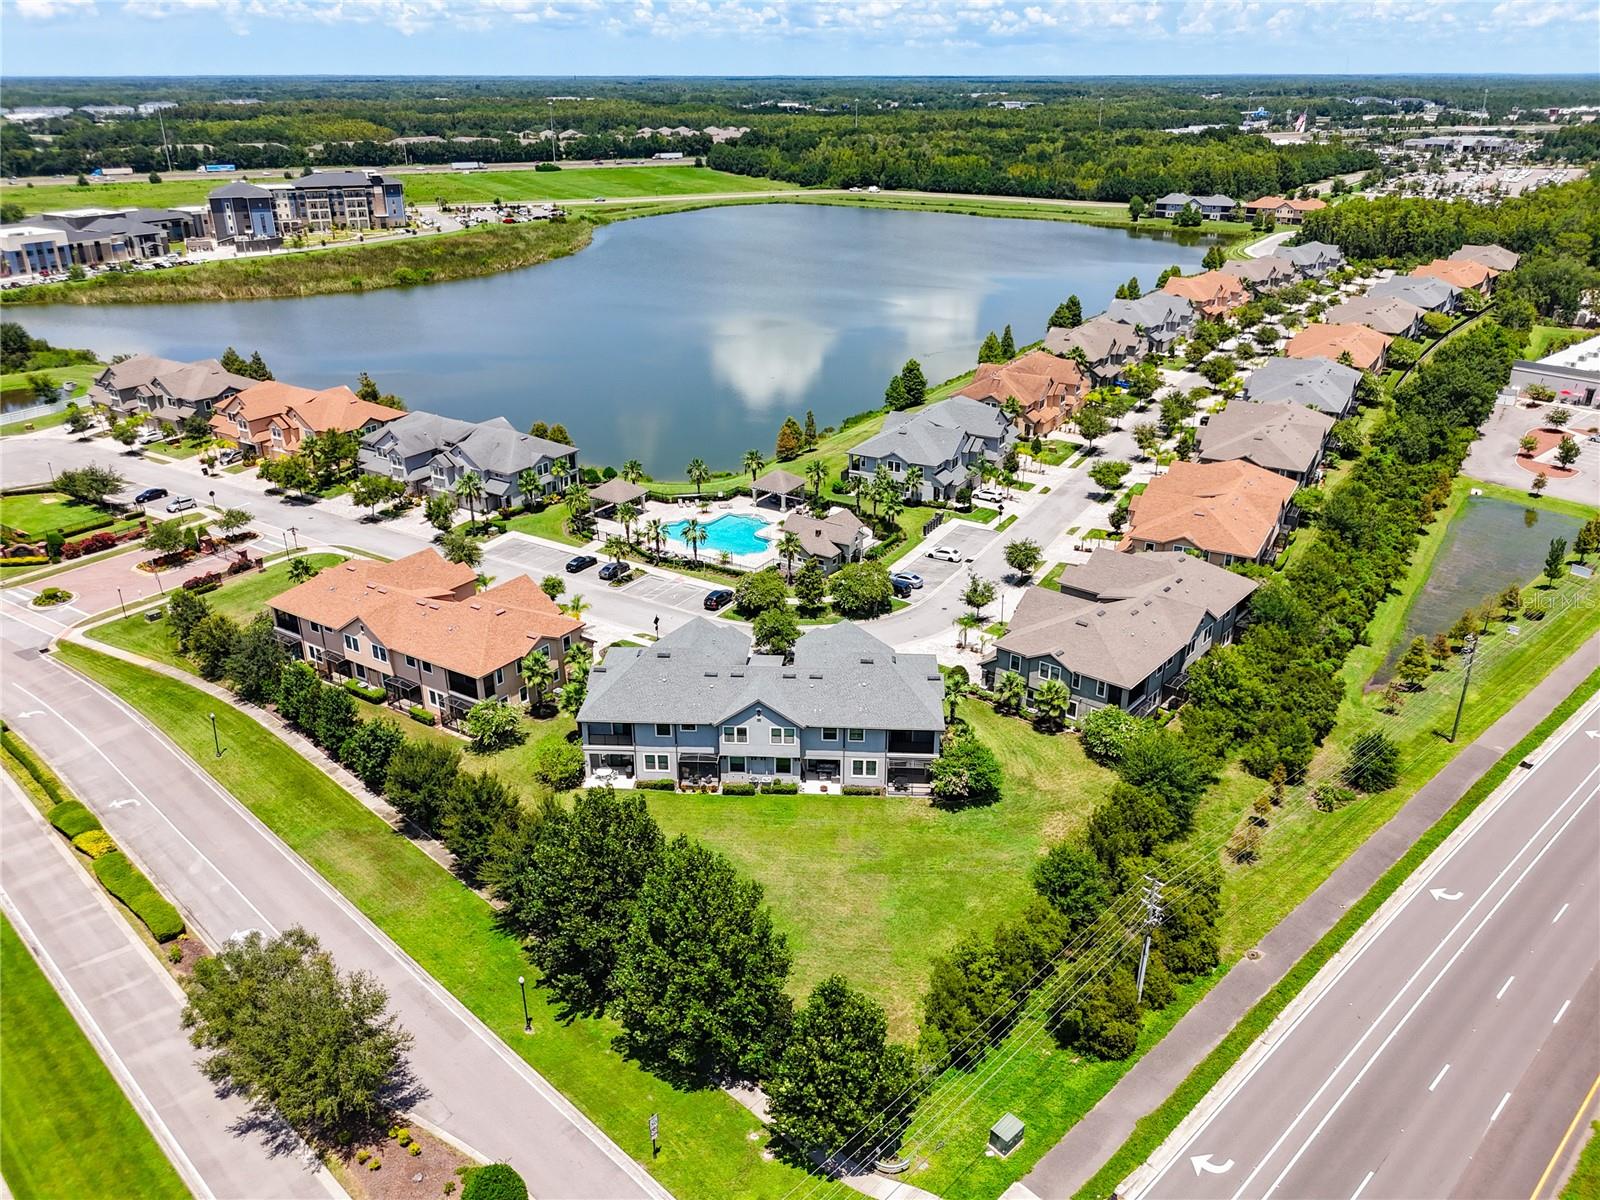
point(72, 818)
point(965, 774)
point(356, 688)
point(738, 789)
point(124, 881)
point(368, 749)
point(40, 774)
point(780, 787)
point(1328, 797)
point(491, 726)
point(657, 785)
point(1107, 733)
point(558, 763)
point(852, 789)
point(95, 843)
point(422, 715)
point(497, 1181)
point(758, 592)
point(200, 584)
point(1374, 763)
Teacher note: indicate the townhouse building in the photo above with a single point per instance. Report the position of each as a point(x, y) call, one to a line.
point(1314, 259)
point(271, 419)
point(1227, 512)
point(1212, 208)
point(1287, 439)
point(1265, 274)
point(1319, 383)
point(1212, 293)
point(1047, 389)
point(831, 540)
point(1107, 347)
point(1367, 348)
point(1387, 314)
point(1285, 211)
point(1428, 294)
point(1159, 317)
point(947, 442)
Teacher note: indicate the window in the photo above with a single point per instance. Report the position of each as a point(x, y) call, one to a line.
point(1049, 671)
point(782, 735)
point(1100, 689)
point(830, 733)
point(1076, 680)
point(1149, 545)
point(315, 628)
point(352, 642)
point(783, 766)
point(361, 672)
point(657, 762)
point(379, 653)
point(663, 730)
point(688, 728)
point(499, 676)
point(1072, 708)
point(411, 662)
point(864, 768)
point(736, 764)
point(735, 733)
point(858, 735)
point(316, 653)
point(522, 694)
point(435, 700)
point(427, 668)
point(566, 642)
point(1016, 663)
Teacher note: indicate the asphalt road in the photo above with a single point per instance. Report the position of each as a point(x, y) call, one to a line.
point(1450, 1051)
point(229, 874)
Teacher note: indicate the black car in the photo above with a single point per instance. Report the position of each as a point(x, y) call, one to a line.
point(150, 494)
point(902, 589)
point(718, 598)
point(614, 570)
point(580, 562)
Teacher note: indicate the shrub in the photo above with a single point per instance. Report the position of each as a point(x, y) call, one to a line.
point(356, 688)
point(72, 818)
point(40, 774)
point(1328, 797)
point(491, 726)
point(366, 752)
point(1107, 732)
point(363, 1155)
point(51, 596)
point(209, 582)
point(852, 789)
point(780, 787)
point(124, 881)
point(738, 789)
point(1374, 763)
point(558, 763)
point(422, 715)
point(965, 774)
point(414, 1149)
point(657, 785)
point(95, 843)
point(497, 1181)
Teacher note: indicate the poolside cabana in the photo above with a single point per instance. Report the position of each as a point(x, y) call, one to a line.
point(614, 492)
point(778, 484)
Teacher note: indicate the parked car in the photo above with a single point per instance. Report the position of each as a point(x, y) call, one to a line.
point(580, 562)
point(147, 435)
point(230, 458)
point(718, 598)
point(910, 578)
point(181, 504)
point(150, 494)
point(946, 554)
point(614, 570)
point(902, 590)
point(989, 494)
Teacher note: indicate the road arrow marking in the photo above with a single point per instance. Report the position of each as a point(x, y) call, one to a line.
point(1203, 1163)
point(1442, 894)
point(124, 803)
point(32, 712)
point(238, 935)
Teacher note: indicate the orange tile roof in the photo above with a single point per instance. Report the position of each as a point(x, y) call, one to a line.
point(266, 399)
point(340, 409)
point(1212, 292)
point(1460, 272)
point(1321, 340)
point(1272, 202)
point(1045, 386)
point(1224, 507)
point(423, 606)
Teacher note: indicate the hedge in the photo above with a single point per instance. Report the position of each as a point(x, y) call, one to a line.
point(497, 1181)
point(422, 716)
point(780, 787)
point(356, 687)
point(125, 881)
point(738, 789)
point(72, 818)
point(856, 790)
point(657, 785)
point(41, 774)
point(25, 560)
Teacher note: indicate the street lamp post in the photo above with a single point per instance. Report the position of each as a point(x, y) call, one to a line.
point(215, 739)
point(527, 1019)
point(120, 604)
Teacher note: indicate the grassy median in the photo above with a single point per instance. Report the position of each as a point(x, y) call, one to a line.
point(709, 1147)
point(66, 1129)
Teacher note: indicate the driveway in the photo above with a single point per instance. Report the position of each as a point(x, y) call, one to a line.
point(1493, 456)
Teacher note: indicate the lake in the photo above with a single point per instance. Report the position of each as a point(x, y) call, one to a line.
point(671, 337)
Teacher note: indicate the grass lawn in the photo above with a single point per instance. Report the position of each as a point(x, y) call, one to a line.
point(1584, 1183)
point(79, 375)
point(39, 513)
point(550, 524)
point(66, 1126)
point(239, 597)
point(874, 887)
point(1051, 453)
point(712, 1146)
point(1540, 338)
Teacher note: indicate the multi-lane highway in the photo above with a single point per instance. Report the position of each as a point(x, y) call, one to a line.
point(1457, 1040)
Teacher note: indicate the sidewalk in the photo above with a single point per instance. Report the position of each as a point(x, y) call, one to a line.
point(1072, 1161)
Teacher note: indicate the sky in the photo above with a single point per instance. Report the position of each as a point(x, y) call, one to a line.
point(796, 37)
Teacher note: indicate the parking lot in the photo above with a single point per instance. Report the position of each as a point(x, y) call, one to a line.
point(669, 592)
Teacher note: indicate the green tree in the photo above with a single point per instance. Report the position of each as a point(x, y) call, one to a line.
point(966, 774)
point(1008, 345)
point(1588, 539)
point(989, 352)
point(369, 491)
point(277, 1022)
point(776, 631)
point(894, 396)
point(1135, 208)
point(1071, 879)
point(861, 589)
point(1414, 666)
point(256, 368)
point(255, 664)
point(558, 763)
point(185, 610)
point(233, 363)
point(700, 981)
point(366, 752)
point(817, 474)
point(1023, 556)
point(838, 1069)
point(458, 546)
point(915, 382)
point(978, 594)
point(537, 676)
point(1555, 560)
point(956, 684)
point(1107, 733)
point(440, 512)
point(420, 779)
point(1068, 314)
point(480, 807)
point(1373, 764)
point(1051, 701)
point(697, 473)
point(1010, 692)
point(791, 440)
point(811, 586)
point(811, 429)
point(470, 489)
point(165, 537)
point(693, 535)
point(759, 591)
point(90, 485)
point(301, 569)
point(1108, 474)
point(491, 726)
point(1215, 258)
point(233, 520)
point(1092, 424)
point(493, 1181)
point(1567, 451)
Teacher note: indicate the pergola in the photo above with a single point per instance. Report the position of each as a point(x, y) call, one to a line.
point(779, 484)
point(614, 492)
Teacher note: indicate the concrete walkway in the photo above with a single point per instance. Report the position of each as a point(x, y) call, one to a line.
point(128, 1007)
point(1072, 1161)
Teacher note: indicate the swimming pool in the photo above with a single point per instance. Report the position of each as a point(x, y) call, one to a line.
point(737, 533)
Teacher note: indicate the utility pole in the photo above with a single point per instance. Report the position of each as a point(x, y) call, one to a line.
point(162, 121)
point(552, 105)
point(1151, 899)
point(1466, 680)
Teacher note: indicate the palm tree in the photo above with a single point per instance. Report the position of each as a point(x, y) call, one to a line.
point(883, 486)
point(788, 546)
point(616, 548)
point(817, 473)
point(892, 506)
point(632, 470)
point(698, 473)
point(955, 686)
point(1050, 703)
point(753, 462)
point(576, 607)
point(1010, 692)
point(968, 621)
point(693, 536)
point(470, 488)
point(529, 484)
point(914, 483)
point(558, 473)
point(538, 675)
point(858, 488)
point(627, 514)
point(656, 533)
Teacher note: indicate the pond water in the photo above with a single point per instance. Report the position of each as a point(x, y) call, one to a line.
point(1490, 544)
point(677, 336)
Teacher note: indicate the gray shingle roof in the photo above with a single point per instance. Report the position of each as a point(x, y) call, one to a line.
point(1279, 436)
point(204, 380)
point(1431, 294)
point(1319, 382)
point(704, 671)
point(1496, 258)
point(1310, 254)
point(500, 448)
point(1150, 310)
point(1100, 339)
point(1120, 616)
point(321, 179)
point(419, 432)
point(138, 371)
point(240, 190)
point(1386, 314)
point(934, 434)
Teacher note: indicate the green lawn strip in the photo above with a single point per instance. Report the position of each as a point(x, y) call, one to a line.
point(451, 932)
point(67, 1127)
point(1006, 524)
point(1052, 577)
point(240, 597)
point(1540, 338)
point(875, 887)
point(1154, 1128)
point(981, 515)
point(1584, 1183)
point(550, 524)
point(1528, 499)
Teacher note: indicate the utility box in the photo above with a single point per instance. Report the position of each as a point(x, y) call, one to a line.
point(1005, 1135)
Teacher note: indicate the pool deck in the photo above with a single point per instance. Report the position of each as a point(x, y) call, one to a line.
point(706, 512)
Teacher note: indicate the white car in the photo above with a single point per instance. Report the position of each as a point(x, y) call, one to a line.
point(946, 554)
point(989, 494)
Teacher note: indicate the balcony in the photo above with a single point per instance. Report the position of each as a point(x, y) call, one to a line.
point(904, 741)
point(608, 739)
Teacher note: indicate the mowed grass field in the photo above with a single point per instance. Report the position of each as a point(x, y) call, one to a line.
point(39, 513)
point(66, 1128)
point(471, 187)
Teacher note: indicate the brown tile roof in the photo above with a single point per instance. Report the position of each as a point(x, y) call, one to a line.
point(1224, 507)
point(340, 409)
point(1045, 386)
point(1272, 203)
point(1212, 292)
point(423, 606)
point(1321, 340)
point(1462, 273)
point(828, 536)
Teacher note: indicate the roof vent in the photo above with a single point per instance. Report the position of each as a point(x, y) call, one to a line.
point(815, 675)
point(735, 674)
point(663, 653)
point(711, 674)
point(499, 612)
point(474, 605)
point(789, 675)
point(866, 662)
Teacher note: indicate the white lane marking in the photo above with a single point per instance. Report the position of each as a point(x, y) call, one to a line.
point(1356, 1195)
point(1426, 992)
point(1504, 986)
point(1202, 1162)
point(1498, 1107)
point(1443, 894)
point(1559, 914)
point(1565, 1004)
point(1438, 1077)
point(1447, 855)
